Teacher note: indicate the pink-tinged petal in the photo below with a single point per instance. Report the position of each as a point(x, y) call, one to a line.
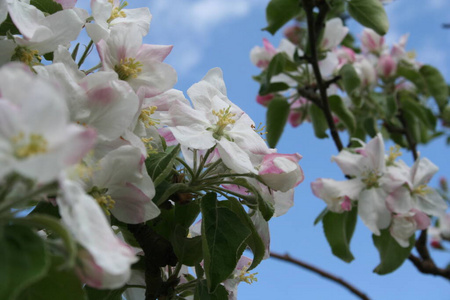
point(334, 193)
point(386, 66)
point(67, 4)
point(346, 205)
point(422, 171)
point(422, 220)
point(295, 118)
point(334, 33)
point(236, 188)
point(96, 32)
point(79, 142)
point(264, 100)
point(400, 201)
point(281, 171)
point(168, 136)
point(202, 93)
point(153, 52)
point(108, 264)
point(234, 157)
point(166, 100)
point(373, 211)
point(155, 78)
point(132, 206)
point(269, 47)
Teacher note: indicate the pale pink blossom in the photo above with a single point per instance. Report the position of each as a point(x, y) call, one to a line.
point(281, 171)
point(372, 41)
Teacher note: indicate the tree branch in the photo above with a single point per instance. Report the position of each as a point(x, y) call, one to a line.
point(314, 27)
point(351, 288)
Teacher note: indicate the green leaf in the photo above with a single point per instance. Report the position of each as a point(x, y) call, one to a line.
point(159, 165)
point(41, 221)
point(338, 230)
point(424, 114)
point(318, 121)
point(391, 108)
point(187, 250)
point(341, 110)
point(320, 216)
point(94, 294)
point(254, 241)
point(23, 259)
point(279, 12)
point(351, 82)
point(277, 116)
point(186, 214)
point(47, 6)
point(223, 238)
point(59, 283)
point(163, 193)
point(276, 65)
point(392, 255)
point(436, 85)
point(273, 88)
point(369, 13)
point(201, 292)
point(370, 126)
point(410, 73)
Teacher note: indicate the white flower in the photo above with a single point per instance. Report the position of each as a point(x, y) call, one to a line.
point(216, 121)
point(140, 65)
point(334, 33)
point(36, 139)
point(281, 171)
point(105, 261)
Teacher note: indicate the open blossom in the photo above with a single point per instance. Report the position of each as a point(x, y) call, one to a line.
point(281, 171)
point(36, 139)
point(216, 121)
point(405, 225)
point(240, 274)
point(415, 192)
point(104, 261)
point(334, 33)
point(110, 13)
point(141, 65)
point(261, 56)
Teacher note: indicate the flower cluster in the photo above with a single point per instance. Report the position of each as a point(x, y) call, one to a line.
point(120, 144)
point(386, 192)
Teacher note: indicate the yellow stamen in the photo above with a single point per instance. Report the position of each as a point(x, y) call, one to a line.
point(422, 190)
point(27, 56)
point(394, 152)
point(260, 129)
point(148, 146)
point(146, 118)
point(117, 12)
point(245, 276)
point(105, 201)
point(370, 179)
point(225, 119)
point(25, 147)
point(128, 67)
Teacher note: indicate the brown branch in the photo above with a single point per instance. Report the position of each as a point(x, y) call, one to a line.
point(351, 288)
point(314, 27)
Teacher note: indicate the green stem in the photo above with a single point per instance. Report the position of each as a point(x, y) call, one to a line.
point(186, 167)
point(85, 54)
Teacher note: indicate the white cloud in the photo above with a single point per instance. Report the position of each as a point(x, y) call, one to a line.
point(189, 25)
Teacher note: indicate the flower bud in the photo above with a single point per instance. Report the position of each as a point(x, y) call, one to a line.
point(371, 41)
point(281, 171)
point(264, 100)
point(386, 66)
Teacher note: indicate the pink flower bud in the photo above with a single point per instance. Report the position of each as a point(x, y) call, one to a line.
point(371, 41)
point(387, 66)
point(293, 34)
point(281, 171)
point(346, 205)
point(264, 100)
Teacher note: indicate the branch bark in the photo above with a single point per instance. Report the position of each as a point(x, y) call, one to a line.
point(302, 264)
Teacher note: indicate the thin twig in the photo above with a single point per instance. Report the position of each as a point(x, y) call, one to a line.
point(351, 288)
point(314, 26)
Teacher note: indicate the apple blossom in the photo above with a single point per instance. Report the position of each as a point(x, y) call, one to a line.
point(281, 171)
point(140, 65)
point(334, 33)
point(372, 42)
point(36, 138)
point(216, 121)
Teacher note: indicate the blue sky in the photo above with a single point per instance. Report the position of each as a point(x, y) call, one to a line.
point(221, 33)
point(207, 34)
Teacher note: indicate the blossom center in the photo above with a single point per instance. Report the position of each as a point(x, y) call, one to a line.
point(146, 118)
point(28, 146)
point(245, 275)
point(128, 68)
point(117, 12)
point(105, 201)
point(27, 56)
point(421, 190)
point(370, 179)
point(225, 118)
point(394, 152)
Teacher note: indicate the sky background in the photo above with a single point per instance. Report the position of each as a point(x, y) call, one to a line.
point(221, 33)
